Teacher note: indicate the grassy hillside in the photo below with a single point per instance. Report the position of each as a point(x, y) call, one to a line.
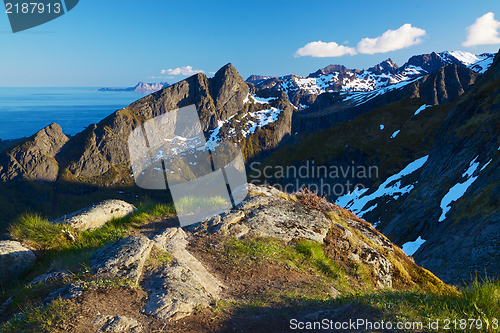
point(270, 281)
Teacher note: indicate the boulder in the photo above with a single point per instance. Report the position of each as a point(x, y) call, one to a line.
point(117, 324)
point(342, 245)
point(97, 215)
point(179, 288)
point(15, 260)
point(123, 259)
point(269, 212)
point(50, 277)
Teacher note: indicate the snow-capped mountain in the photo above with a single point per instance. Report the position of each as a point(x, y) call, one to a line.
point(302, 91)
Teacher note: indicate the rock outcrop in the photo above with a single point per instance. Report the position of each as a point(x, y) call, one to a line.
point(97, 215)
point(34, 158)
point(123, 259)
point(181, 286)
point(15, 260)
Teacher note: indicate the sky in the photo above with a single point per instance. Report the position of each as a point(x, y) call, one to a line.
point(117, 43)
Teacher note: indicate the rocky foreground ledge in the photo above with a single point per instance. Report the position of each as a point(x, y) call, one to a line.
point(189, 280)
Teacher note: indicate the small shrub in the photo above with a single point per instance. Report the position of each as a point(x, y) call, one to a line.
point(312, 199)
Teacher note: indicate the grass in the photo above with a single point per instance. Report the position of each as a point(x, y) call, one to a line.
point(59, 252)
point(305, 256)
point(473, 306)
point(191, 204)
point(41, 318)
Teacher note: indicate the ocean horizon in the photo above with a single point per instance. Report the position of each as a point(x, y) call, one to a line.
point(24, 111)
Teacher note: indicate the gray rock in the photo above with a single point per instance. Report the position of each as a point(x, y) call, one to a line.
point(34, 158)
point(122, 259)
point(50, 277)
point(177, 289)
point(67, 292)
point(97, 215)
point(117, 324)
point(15, 260)
point(269, 213)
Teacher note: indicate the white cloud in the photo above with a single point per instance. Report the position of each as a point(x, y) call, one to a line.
point(186, 70)
point(320, 49)
point(483, 31)
point(392, 40)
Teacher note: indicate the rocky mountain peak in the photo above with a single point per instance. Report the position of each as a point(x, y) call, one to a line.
point(428, 62)
point(332, 69)
point(386, 66)
point(254, 79)
point(228, 88)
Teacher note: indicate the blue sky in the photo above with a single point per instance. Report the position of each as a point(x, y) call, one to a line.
point(118, 43)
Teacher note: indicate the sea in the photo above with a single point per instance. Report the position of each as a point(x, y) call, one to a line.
point(25, 111)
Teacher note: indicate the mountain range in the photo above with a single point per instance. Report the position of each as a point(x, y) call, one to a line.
point(140, 87)
point(303, 91)
point(430, 127)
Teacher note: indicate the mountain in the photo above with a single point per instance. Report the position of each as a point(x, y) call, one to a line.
point(421, 137)
point(303, 91)
point(424, 161)
point(69, 173)
point(141, 87)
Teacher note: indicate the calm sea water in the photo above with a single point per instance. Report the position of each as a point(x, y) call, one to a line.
point(24, 111)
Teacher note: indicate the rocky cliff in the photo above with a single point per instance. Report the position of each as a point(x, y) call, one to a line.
point(35, 157)
point(456, 194)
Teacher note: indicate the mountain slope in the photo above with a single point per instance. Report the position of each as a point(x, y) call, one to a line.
point(462, 201)
point(434, 156)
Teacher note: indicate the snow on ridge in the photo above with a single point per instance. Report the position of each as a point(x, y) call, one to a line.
point(459, 189)
point(260, 119)
point(411, 247)
point(422, 108)
point(264, 117)
point(362, 97)
point(481, 66)
point(466, 58)
point(356, 200)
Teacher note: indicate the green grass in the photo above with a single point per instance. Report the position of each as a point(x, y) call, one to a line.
point(191, 204)
point(305, 256)
point(59, 252)
point(38, 319)
point(479, 301)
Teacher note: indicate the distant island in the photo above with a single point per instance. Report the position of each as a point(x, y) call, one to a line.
point(141, 87)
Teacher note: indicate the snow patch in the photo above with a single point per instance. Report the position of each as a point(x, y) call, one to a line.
point(381, 127)
point(458, 190)
point(356, 201)
point(395, 134)
point(422, 108)
point(411, 247)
